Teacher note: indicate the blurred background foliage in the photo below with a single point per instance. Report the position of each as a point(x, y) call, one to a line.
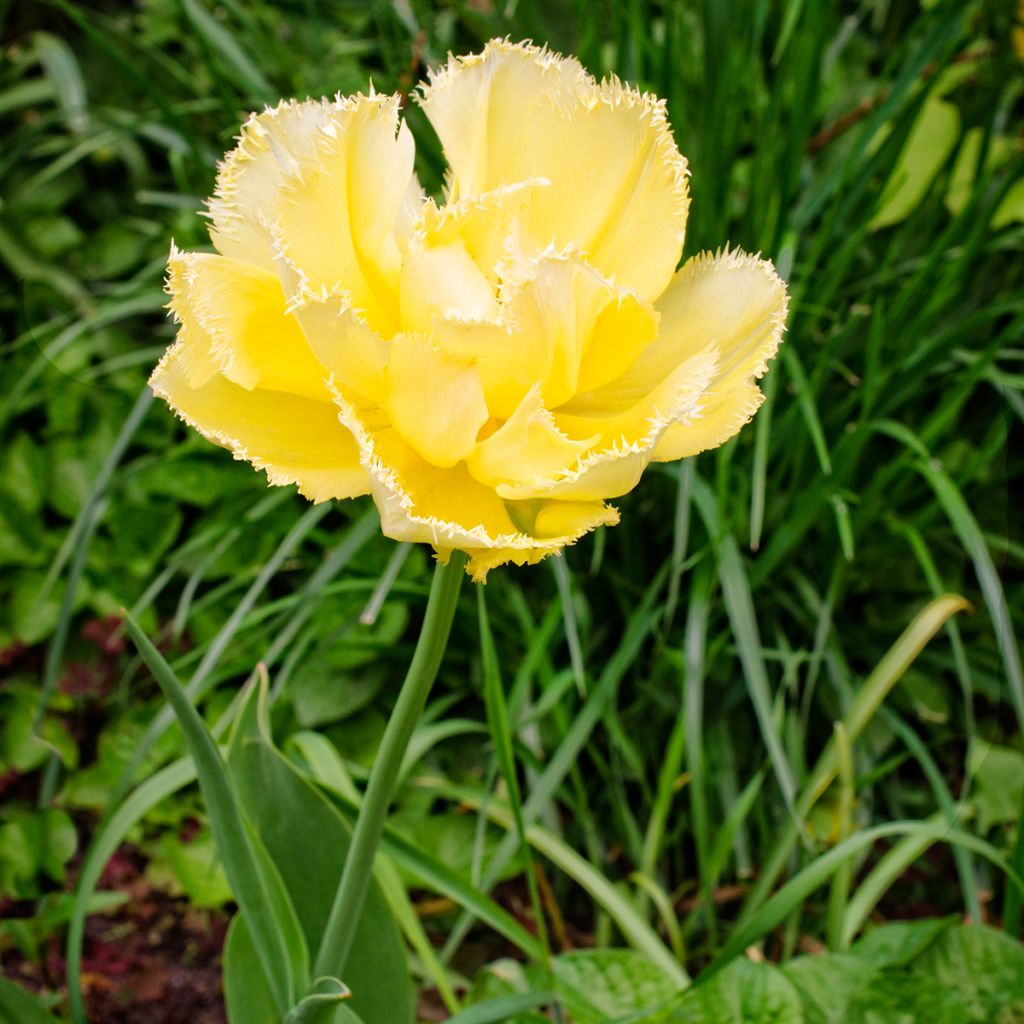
point(873, 149)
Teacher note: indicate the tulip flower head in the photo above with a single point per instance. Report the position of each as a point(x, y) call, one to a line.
point(492, 368)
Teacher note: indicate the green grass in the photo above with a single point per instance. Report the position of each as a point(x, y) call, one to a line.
point(671, 690)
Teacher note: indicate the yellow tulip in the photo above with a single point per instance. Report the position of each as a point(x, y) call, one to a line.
point(493, 368)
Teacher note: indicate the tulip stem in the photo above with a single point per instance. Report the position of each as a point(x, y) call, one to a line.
point(355, 878)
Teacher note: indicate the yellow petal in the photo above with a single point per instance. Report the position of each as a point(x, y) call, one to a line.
point(487, 225)
point(722, 417)
point(272, 145)
point(618, 183)
point(296, 440)
point(195, 358)
point(558, 525)
point(628, 439)
point(336, 215)
point(434, 400)
point(509, 360)
point(735, 301)
point(343, 344)
point(424, 503)
point(249, 337)
point(572, 518)
point(442, 281)
point(450, 510)
point(526, 447)
point(562, 323)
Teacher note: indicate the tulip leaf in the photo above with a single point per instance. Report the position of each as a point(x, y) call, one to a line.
point(308, 840)
point(246, 993)
point(324, 1005)
point(254, 880)
point(18, 1007)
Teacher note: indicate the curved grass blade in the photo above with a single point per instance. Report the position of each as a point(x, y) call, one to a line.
point(635, 928)
point(798, 888)
point(866, 703)
point(504, 1008)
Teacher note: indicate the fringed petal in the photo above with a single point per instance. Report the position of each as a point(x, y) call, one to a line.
point(618, 184)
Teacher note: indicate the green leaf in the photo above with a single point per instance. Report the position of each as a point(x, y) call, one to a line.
point(322, 694)
point(24, 473)
point(507, 1010)
point(743, 993)
point(246, 993)
point(598, 985)
point(18, 1007)
point(256, 885)
point(308, 840)
point(62, 69)
point(982, 971)
point(999, 783)
point(898, 942)
point(224, 43)
point(324, 1005)
point(189, 867)
point(34, 844)
point(924, 153)
point(828, 985)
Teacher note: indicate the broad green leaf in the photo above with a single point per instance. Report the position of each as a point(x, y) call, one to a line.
point(18, 1007)
point(322, 694)
point(598, 985)
point(897, 943)
point(743, 993)
point(34, 844)
point(246, 993)
point(192, 868)
point(982, 971)
point(308, 840)
point(828, 985)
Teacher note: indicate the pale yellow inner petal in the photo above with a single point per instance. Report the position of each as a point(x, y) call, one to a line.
point(336, 216)
point(528, 446)
point(434, 400)
point(443, 281)
point(617, 180)
point(345, 347)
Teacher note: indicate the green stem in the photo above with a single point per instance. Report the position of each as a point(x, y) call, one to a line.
point(355, 879)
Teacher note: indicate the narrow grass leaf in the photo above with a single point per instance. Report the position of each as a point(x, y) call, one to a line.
point(866, 703)
point(740, 606)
